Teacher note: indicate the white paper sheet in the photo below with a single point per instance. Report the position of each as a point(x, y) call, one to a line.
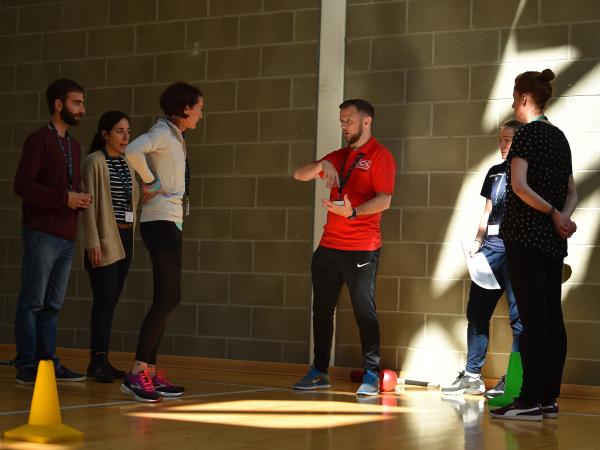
point(479, 269)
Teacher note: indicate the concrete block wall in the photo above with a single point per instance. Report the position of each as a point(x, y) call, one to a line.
point(440, 74)
point(247, 241)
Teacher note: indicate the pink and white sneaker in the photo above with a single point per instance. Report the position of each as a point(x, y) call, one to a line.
point(164, 387)
point(141, 386)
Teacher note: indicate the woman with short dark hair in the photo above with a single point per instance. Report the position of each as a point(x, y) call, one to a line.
point(540, 198)
point(159, 158)
point(108, 226)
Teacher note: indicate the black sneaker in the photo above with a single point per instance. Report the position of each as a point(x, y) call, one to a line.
point(26, 376)
point(517, 411)
point(64, 374)
point(313, 380)
point(464, 384)
point(497, 390)
point(117, 373)
point(99, 369)
point(550, 411)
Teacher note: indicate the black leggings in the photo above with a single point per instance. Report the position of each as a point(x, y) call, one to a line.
point(536, 281)
point(163, 241)
point(107, 284)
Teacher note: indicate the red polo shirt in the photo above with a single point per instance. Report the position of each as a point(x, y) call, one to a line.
point(375, 172)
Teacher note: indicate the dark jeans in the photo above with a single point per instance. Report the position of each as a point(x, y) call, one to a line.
point(44, 277)
point(536, 280)
point(163, 241)
point(330, 270)
point(480, 308)
point(107, 283)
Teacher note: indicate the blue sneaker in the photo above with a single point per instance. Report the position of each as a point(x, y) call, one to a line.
point(370, 384)
point(313, 380)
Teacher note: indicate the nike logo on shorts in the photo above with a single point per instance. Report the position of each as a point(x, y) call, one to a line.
point(362, 265)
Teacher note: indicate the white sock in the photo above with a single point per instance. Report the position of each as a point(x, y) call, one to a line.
point(473, 375)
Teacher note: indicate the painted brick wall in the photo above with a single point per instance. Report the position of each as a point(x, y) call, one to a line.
point(247, 242)
point(440, 74)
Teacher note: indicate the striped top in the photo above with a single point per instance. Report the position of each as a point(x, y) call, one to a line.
point(120, 187)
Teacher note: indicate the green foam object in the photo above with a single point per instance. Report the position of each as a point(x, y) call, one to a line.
point(514, 380)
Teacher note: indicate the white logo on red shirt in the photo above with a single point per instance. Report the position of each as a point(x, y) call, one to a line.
point(364, 164)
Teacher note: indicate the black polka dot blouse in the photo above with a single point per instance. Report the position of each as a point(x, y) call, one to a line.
point(548, 156)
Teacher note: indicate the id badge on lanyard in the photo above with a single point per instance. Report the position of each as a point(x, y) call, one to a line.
point(493, 230)
point(344, 178)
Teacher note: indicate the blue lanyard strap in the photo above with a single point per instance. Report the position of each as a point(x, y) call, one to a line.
point(65, 151)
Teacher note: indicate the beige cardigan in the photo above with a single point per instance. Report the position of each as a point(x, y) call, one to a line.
point(98, 220)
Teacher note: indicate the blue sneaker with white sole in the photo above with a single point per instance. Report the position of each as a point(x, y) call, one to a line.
point(313, 380)
point(370, 384)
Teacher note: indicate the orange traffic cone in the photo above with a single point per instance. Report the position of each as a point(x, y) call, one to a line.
point(45, 423)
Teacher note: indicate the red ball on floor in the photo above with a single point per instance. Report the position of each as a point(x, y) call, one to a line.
point(388, 380)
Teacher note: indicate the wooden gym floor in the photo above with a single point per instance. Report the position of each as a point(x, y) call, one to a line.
point(236, 405)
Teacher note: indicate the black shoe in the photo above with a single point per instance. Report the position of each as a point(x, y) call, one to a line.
point(550, 410)
point(26, 376)
point(517, 411)
point(497, 390)
point(117, 374)
point(99, 369)
point(64, 374)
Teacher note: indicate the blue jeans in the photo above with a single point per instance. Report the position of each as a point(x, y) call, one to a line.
point(480, 308)
point(44, 277)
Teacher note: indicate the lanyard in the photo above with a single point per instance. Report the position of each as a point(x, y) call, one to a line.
point(344, 178)
point(125, 177)
point(66, 152)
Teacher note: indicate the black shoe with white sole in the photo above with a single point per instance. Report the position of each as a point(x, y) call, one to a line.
point(518, 411)
point(550, 411)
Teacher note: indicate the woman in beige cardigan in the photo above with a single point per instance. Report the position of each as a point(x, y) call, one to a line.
point(108, 226)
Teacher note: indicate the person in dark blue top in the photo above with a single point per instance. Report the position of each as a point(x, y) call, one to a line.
point(482, 302)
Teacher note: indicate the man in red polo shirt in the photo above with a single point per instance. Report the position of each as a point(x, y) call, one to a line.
point(361, 182)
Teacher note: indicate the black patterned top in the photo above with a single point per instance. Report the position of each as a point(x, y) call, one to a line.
point(548, 156)
point(120, 187)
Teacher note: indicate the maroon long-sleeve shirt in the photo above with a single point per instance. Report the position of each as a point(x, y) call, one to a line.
point(42, 181)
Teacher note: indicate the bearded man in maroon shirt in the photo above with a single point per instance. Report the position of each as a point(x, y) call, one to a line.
point(48, 180)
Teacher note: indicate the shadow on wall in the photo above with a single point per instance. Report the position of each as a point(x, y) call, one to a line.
point(434, 357)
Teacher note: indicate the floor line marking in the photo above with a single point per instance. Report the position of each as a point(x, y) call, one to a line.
point(578, 414)
point(128, 402)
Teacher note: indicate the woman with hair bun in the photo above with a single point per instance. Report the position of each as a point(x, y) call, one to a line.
point(540, 198)
point(108, 233)
point(159, 157)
